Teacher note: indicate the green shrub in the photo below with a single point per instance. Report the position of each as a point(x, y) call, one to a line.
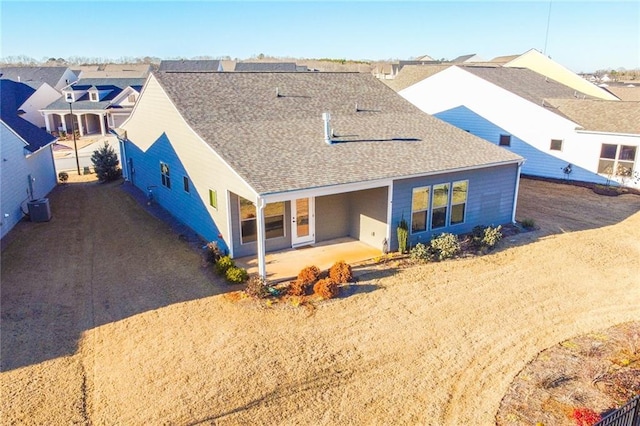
point(257, 287)
point(326, 288)
point(403, 235)
point(492, 236)
point(486, 237)
point(105, 162)
point(223, 264)
point(445, 246)
point(340, 272)
point(421, 252)
point(236, 275)
point(528, 223)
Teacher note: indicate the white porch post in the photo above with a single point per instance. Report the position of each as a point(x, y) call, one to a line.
point(102, 129)
point(47, 125)
point(63, 120)
point(262, 264)
point(80, 126)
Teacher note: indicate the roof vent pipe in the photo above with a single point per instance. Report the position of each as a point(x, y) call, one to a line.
point(326, 117)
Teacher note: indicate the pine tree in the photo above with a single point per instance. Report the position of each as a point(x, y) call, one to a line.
point(105, 162)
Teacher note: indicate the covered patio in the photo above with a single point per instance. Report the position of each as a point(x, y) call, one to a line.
point(285, 264)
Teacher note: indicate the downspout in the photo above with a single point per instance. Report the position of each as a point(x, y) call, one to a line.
point(262, 264)
point(123, 160)
point(515, 197)
point(230, 245)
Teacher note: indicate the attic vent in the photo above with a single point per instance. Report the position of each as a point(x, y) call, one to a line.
point(326, 117)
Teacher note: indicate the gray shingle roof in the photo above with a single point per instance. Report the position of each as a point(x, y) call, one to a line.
point(525, 83)
point(49, 75)
point(12, 95)
point(412, 74)
point(265, 67)
point(599, 115)
point(115, 85)
point(276, 143)
point(182, 65)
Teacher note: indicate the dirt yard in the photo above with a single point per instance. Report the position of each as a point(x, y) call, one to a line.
point(109, 318)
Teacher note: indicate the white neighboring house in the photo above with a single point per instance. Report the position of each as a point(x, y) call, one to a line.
point(560, 132)
point(45, 81)
point(97, 105)
point(27, 170)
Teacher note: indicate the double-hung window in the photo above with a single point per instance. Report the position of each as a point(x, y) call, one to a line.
point(419, 209)
point(459, 201)
point(440, 204)
point(165, 175)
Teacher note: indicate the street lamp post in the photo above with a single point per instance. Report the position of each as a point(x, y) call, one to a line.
point(73, 132)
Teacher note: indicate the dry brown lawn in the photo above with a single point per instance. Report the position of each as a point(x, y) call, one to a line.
point(109, 318)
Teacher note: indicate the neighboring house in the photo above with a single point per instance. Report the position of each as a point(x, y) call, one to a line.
point(560, 132)
point(97, 105)
point(267, 67)
point(114, 71)
point(411, 74)
point(467, 59)
point(267, 161)
point(624, 92)
point(56, 77)
point(184, 65)
point(536, 61)
point(27, 171)
point(46, 82)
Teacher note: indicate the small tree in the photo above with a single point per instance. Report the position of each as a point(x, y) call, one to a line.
point(105, 162)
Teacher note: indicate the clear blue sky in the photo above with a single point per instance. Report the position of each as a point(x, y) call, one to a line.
point(583, 35)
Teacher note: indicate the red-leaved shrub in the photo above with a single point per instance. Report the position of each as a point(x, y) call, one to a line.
point(585, 416)
point(326, 288)
point(340, 272)
point(309, 275)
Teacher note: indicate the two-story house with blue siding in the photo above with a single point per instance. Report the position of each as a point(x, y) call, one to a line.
point(266, 161)
point(27, 171)
point(562, 133)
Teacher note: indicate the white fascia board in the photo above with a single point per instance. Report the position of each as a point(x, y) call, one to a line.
point(595, 132)
point(325, 190)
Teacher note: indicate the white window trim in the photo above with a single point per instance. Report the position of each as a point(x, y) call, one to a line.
point(165, 177)
point(561, 145)
point(451, 204)
point(284, 227)
point(427, 210)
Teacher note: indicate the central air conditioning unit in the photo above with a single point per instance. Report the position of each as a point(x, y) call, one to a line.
point(39, 210)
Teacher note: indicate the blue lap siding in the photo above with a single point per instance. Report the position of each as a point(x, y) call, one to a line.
point(490, 200)
point(143, 169)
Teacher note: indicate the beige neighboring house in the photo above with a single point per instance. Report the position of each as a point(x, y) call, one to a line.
point(467, 59)
point(536, 61)
point(114, 71)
